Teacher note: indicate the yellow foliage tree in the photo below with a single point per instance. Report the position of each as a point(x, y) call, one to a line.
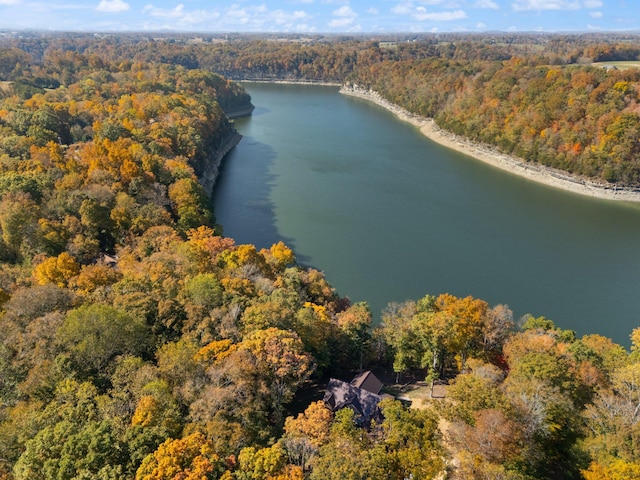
point(188, 458)
point(146, 411)
point(215, 351)
point(617, 470)
point(204, 246)
point(314, 424)
point(57, 270)
point(278, 256)
point(91, 277)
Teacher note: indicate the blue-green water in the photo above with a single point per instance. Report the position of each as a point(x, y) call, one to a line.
point(389, 215)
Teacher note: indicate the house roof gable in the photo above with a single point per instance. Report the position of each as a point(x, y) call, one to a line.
point(367, 381)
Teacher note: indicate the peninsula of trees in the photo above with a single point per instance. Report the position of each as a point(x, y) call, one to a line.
point(137, 342)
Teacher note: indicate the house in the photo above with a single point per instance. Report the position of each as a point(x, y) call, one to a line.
point(361, 396)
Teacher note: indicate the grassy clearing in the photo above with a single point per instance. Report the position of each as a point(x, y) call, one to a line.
point(419, 393)
point(622, 65)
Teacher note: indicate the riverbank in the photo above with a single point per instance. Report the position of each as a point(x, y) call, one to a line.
point(210, 174)
point(492, 156)
point(290, 82)
point(240, 112)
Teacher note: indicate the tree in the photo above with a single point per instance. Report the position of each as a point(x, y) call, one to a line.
point(189, 203)
point(282, 364)
point(204, 290)
point(399, 335)
point(355, 324)
point(69, 451)
point(492, 438)
point(306, 433)
point(261, 464)
point(317, 332)
point(279, 256)
point(411, 441)
point(348, 454)
point(57, 270)
point(18, 220)
point(95, 334)
point(188, 458)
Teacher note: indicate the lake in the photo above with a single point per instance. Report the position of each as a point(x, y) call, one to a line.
point(389, 215)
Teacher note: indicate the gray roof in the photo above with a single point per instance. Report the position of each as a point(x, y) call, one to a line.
point(367, 381)
point(341, 394)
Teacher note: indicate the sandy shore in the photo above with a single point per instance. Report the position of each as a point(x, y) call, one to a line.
point(488, 154)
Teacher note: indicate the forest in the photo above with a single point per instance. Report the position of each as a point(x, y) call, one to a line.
point(138, 342)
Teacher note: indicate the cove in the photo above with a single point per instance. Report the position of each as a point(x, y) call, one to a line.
point(389, 215)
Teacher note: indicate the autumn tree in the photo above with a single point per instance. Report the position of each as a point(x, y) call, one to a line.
point(191, 457)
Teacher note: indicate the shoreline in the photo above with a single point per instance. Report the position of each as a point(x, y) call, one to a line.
point(211, 172)
point(290, 82)
point(492, 156)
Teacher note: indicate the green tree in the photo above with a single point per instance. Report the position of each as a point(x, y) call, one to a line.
point(95, 334)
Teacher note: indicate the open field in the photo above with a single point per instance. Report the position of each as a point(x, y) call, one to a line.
point(622, 65)
point(5, 86)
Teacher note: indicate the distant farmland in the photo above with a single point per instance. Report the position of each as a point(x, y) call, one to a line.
point(622, 65)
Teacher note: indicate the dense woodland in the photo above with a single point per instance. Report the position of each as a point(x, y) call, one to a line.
point(138, 342)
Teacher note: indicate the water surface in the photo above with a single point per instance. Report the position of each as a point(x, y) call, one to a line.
point(389, 215)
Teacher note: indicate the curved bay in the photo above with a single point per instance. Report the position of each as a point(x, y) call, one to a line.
point(389, 215)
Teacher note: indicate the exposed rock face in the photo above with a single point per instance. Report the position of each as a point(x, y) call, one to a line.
point(209, 175)
point(240, 112)
point(493, 156)
point(208, 170)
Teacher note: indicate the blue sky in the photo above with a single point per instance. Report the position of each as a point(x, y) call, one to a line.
point(322, 16)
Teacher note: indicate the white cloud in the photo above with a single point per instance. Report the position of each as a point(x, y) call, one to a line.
point(344, 11)
point(373, 11)
point(249, 18)
point(198, 17)
point(346, 17)
point(280, 17)
point(486, 4)
point(176, 12)
point(340, 22)
point(481, 25)
point(421, 14)
point(402, 9)
point(595, 14)
point(112, 6)
point(447, 16)
point(304, 27)
point(523, 5)
point(9, 2)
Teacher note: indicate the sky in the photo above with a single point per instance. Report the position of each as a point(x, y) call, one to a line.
point(322, 16)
